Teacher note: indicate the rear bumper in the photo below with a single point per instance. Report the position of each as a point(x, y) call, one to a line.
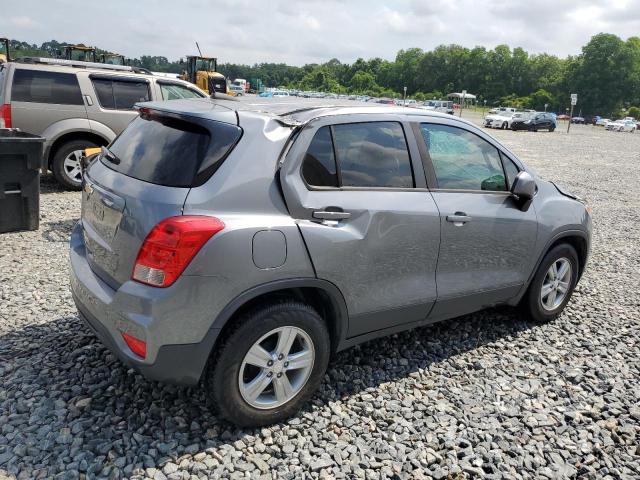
point(142, 312)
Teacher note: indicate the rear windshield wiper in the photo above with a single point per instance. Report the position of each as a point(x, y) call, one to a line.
point(110, 156)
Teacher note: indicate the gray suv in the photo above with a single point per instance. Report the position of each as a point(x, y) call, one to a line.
point(77, 105)
point(223, 243)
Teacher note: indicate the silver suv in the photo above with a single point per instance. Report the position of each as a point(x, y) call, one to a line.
point(76, 105)
point(223, 243)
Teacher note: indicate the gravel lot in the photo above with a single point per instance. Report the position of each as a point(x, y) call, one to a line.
point(484, 396)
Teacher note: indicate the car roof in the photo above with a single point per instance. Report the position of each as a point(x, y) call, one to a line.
point(288, 113)
point(54, 65)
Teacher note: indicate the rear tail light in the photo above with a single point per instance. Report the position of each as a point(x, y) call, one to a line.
point(170, 246)
point(137, 346)
point(5, 116)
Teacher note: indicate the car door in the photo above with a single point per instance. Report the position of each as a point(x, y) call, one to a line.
point(486, 239)
point(110, 98)
point(41, 98)
point(356, 188)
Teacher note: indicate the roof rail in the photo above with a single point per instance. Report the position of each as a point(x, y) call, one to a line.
point(79, 64)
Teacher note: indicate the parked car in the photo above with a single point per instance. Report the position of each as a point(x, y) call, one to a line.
point(539, 121)
point(77, 105)
point(563, 116)
point(601, 122)
point(578, 120)
point(499, 110)
point(237, 90)
point(444, 106)
point(622, 126)
point(500, 120)
point(186, 278)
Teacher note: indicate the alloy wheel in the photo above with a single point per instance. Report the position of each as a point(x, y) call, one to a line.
point(72, 166)
point(555, 285)
point(276, 367)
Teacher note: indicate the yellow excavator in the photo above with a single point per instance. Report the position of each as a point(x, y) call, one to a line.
point(80, 52)
point(203, 72)
point(4, 53)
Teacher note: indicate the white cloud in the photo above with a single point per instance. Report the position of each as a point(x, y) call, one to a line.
point(306, 31)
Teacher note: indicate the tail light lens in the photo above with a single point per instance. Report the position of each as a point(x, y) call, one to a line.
point(170, 247)
point(5, 116)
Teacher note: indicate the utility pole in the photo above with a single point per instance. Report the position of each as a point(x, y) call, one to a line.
point(404, 97)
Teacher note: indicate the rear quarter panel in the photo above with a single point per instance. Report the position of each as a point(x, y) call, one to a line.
point(245, 195)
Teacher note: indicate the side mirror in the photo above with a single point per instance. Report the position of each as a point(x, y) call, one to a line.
point(524, 188)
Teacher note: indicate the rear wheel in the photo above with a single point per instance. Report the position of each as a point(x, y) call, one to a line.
point(269, 365)
point(66, 163)
point(553, 284)
point(504, 125)
point(551, 129)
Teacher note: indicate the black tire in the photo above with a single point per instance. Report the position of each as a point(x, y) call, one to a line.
point(57, 165)
point(551, 129)
point(504, 125)
point(221, 376)
point(532, 302)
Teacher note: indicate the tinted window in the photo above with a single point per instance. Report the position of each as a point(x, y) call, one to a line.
point(171, 152)
point(372, 155)
point(119, 94)
point(319, 165)
point(171, 91)
point(45, 87)
point(462, 160)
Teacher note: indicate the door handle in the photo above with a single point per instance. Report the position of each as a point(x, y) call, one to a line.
point(87, 98)
point(458, 218)
point(331, 215)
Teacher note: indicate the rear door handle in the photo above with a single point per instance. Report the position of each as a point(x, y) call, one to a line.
point(331, 215)
point(458, 218)
point(87, 99)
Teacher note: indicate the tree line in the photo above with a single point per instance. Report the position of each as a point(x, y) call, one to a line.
point(606, 74)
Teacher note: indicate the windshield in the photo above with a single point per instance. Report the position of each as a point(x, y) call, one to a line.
point(204, 65)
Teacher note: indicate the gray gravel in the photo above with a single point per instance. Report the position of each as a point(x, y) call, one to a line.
point(485, 396)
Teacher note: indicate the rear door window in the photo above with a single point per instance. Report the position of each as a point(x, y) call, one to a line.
point(171, 152)
point(368, 154)
point(37, 86)
point(372, 154)
point(319, 164)
point(116, 94)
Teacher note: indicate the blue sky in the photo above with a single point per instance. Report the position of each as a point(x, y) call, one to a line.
point(306, 31)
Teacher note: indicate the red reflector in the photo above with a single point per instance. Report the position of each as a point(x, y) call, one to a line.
point(170, 246)
point(5, 116)
point(136, 345)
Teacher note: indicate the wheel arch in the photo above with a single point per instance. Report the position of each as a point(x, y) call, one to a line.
point(322, 295)
point(578, 239)
point(69, 137)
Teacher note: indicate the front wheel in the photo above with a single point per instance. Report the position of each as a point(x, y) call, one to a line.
point(551, 129)
point(553, 284)
point(504, 125)
point(269, 365)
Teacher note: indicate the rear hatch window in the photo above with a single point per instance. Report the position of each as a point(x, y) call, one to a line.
point(171, 151)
